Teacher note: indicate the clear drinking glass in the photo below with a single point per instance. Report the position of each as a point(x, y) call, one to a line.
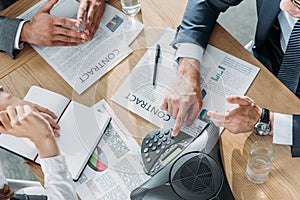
point(261, 157)
point(131, 7)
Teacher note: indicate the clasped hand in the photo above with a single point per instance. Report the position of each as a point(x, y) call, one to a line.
point(25, 121)
point(9, 101)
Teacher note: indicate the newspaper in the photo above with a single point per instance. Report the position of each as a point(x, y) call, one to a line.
point(81, 66)
point(221, 75)
point(116, 167)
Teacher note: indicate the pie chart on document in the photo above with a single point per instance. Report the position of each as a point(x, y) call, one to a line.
point(98, 160)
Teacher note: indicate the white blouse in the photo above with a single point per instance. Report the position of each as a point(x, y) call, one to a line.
point(58, 180)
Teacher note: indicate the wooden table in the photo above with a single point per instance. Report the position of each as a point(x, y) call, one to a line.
point(284, 180)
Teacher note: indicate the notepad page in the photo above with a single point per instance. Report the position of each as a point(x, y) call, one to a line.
point(80, 133)
point(48, 99)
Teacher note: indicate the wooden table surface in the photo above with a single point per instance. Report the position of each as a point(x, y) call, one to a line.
point(28, 69)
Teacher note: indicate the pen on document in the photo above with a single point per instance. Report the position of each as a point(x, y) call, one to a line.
point(157, 56)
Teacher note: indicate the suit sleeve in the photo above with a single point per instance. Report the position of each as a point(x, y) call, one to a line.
point(8, 31)
point(296, 136)
point(199, 20)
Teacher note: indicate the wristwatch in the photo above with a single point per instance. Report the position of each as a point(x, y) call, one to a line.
point(263, 127)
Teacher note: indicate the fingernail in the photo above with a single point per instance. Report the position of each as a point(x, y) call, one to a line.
point(82, 36)
point(173, 135)
point(87, 32)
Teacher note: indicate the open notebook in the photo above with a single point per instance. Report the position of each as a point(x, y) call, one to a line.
point(80, 130)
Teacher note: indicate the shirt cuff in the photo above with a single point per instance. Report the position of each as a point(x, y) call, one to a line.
point(189, 50)
point(54, 165)
point(19, 45)
point(283, 129)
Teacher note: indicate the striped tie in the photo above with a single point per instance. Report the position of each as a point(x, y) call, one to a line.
point(289, 73)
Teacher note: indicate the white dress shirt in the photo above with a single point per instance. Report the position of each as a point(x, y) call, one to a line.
point(19, 45)
point(57, 178)
point(283, 124)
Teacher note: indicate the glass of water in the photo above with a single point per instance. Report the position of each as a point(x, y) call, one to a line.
point(261, 157)
point(131, 7)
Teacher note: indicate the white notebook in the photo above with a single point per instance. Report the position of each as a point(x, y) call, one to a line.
point(80, 130)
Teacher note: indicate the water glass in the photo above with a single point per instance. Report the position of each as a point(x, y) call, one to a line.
point(261, 157)
point(131, 7)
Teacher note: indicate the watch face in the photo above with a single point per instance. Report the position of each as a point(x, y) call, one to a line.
point(262, 128)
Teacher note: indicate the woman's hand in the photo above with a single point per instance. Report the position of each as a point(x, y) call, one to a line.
point(7, 99)
point(23, 121)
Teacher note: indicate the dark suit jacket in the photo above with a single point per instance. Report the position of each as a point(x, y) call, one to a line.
point(8, 31)
point(199, 21)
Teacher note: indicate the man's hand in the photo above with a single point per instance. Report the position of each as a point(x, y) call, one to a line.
point(47, 30)
point(239, 120)
point(186, 97)
point(22, 121)
point(93, 11)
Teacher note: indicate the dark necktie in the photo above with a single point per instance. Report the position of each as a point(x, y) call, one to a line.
point(289, 73)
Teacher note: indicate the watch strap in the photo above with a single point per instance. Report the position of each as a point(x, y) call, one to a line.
point(265, 115)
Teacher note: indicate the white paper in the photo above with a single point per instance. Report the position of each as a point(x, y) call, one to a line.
point(79, 136)
point(51, 100)
point(122, 167)
point(81, 66)
point(221, 75)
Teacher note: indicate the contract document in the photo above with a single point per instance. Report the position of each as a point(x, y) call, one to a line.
point(81, 66)
point(116, 166)
point(221, 75)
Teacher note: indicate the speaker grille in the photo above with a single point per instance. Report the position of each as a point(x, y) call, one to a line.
point(198, 176)
point(138, 193)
